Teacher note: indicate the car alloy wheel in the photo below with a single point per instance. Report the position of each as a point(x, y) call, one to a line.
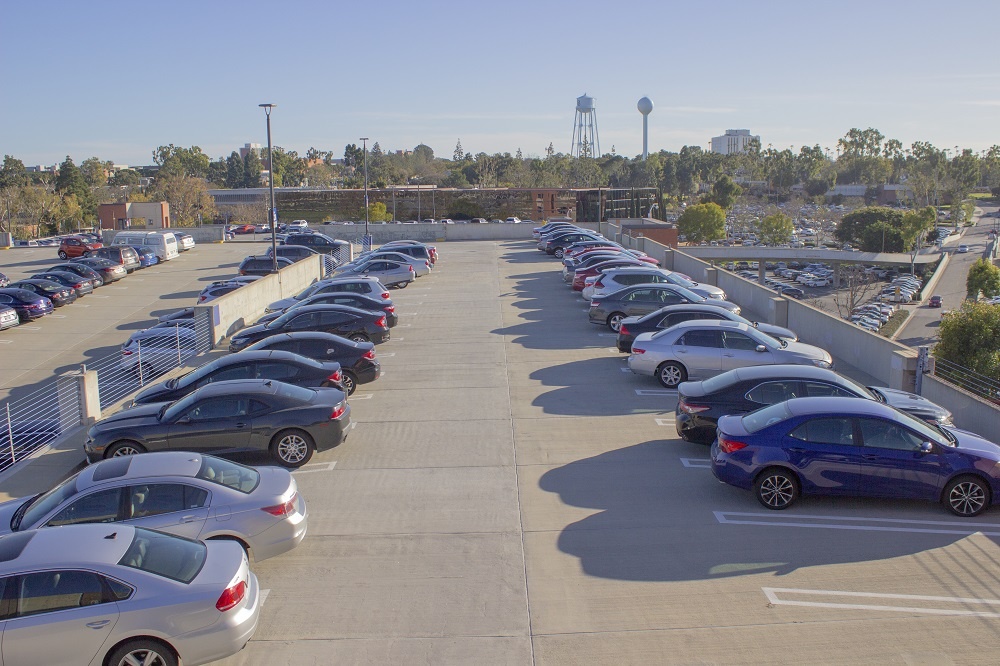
point(125, 449)
point(349, 383)
point(615, 321)
point(142, 652)
point(967, 496)
point(63, 255)
point(776, 489)
point(670, 374)
point(293, 448)
point(559, 253)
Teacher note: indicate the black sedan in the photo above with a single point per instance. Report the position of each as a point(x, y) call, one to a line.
point(351, 323)
point(290, 422)
point(59, 294)
point(357, 359)
point(108, 270)
point(701, 404)
point(359, 301)
point(280, 365)
point(82, 286)
point(81, 270)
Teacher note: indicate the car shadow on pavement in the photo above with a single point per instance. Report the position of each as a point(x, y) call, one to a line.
point(581, 393)
point(539, 335)
point(657, 522)
point(181, 295)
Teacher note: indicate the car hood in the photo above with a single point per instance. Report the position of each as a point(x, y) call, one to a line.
point(802, 350)
point(7, 510)
point(150, 393)
point(776, 331)
point(282, 304)
point(137, 416)
point(971, 442)
point(913, 403)
point(250, 331)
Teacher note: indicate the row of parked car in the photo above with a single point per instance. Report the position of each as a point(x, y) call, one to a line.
point(781, 422)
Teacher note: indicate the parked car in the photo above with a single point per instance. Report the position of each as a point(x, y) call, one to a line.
point(8, 317)
point(358, 364)
point(293, 252)
point(123, 255)
point(81, 286)
point(262, 265)
point(555, 244)
point(155, 350)
point(342, 298)
point(289, 422)
point(83, 270)
point(76, 246)
point(854, 447)
point(118, 594)
point(213, 291)
point(91, 278)
point(187, 494)
point(265, 364)
point(421, 267)
point(27, 304)
point(147, 255)
point(675, 314)
point(56, 292)
point(701, 349)
point(4, 280)
point(321, 243)
point(415, 249)
point(618, 278)
point(390, 273)
point(343, 320)
point(366, 286)
point(643, 299)
point(109, 271)
point(935, 301)
point(185, 241)
point(243, 229)
point(700, 404)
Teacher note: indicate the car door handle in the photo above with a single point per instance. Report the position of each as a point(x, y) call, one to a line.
point(729, 355)
point(870, 456)
point(682, 351)
point(241, 425)
point(97, 624)
point(188, 519)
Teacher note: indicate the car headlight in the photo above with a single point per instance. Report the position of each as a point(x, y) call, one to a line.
point(822, 363)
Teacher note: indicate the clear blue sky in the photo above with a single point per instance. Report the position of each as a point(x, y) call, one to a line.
point(115, 79)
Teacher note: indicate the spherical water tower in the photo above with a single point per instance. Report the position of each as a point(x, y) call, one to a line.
point(645, 107)
point(585, 140)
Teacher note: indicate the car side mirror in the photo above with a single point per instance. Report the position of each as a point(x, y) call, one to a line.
point(184, 420)
point(761, 348)
point(926, 447)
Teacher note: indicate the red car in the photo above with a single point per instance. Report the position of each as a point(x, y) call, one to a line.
point(934, 302)
point(72, 247)
point(580, 275)
point(244, 229)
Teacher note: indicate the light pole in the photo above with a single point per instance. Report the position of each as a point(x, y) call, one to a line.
point(272, 214)
point(367, 242)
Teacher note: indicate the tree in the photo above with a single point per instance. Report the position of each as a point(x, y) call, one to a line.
point(724, 193)
point(94, 172)
point(377, 212)
point(188, 198)
point(970, 338)
point(124, 177)
point(12, 173)
point(983, 277)
point(353, 156)
point(422, 154)
point(702, 222)
point(218, 171)
point(776, 229)
point(855, 285)
point(178, 161)
point(235, 176)
point(853, 227)
point(70, 180)
point(252, 169)
point(459, 153)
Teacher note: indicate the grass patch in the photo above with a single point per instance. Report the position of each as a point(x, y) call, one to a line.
point(895, 323)
point(980, 195)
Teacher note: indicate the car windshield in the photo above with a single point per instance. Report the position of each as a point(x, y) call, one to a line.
point(926, 430)
point(676, 279)
point(296, 393)
point(39, 506)
point(193, 376)
point(765, 339)
point(165, 555)
point(228, 474)
point(765, 417)
point(687, 293)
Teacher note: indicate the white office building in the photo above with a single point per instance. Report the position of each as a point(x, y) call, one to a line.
point(733, 141)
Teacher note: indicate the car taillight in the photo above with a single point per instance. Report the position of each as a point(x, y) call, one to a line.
point(370, 355)
point(380, 322)
point(202, 298)
point(598, 283)
point(727, 445)
point(335, 377)
point(385, 294)
point(78, 285)
point(231, 596)
point(689, 408)
point(636, 350)
point(282, 509)
point(126, 352)
point(390, 308)
point(594, 304)
point(338, 411)
point(623, 331)
point(411, 267)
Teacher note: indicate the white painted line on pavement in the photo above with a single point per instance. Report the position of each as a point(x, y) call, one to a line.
point(263, 595)
point(354, 424)
point(607, 335)
point(55, 316)
point(377, 355)
point(30, 328)
point(397, 339)
point(98, 296)
point(665, 422)
point(647, 392)
point(5, 341)
point(82, 305)
point(404, 325)
point(697, 463)
point(772, 594)
point(858, 523)
point(317, 467)
point(361, 396)
point(625, 369)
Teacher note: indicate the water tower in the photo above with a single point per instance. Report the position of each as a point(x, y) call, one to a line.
point(645, 107)
point(585, 140)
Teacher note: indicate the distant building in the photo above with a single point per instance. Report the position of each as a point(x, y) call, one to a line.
point(245, 150)
point(733, 141)
point(136, 215)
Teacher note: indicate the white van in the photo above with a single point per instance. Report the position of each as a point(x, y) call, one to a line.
point(163, 244)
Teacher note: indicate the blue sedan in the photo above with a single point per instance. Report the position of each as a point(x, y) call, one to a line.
point(854, 447)
point(146, 256)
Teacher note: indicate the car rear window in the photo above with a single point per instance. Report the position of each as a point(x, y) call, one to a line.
point(719, 382)
point(228, 474)
point(765, 417)
point(297, 393)
point(165, 555)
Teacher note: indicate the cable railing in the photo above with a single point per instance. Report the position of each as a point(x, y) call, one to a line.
point(968, 379)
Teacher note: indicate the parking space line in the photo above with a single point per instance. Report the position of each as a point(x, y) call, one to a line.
point(263, 595)
point(697, 463)
point(361, 396)
point(625, 369)
point(319, 467)
point(772, 594)
point(386, 355)
point(857, 523)
point(404, 325)
point(98, 296)
point(397, 339)
point(82, 305)
point(5, 341)
point(649, 392)
point(408, 314)
point(57, 316)
point(665, 422)
point(30, 328)
point(607, 335)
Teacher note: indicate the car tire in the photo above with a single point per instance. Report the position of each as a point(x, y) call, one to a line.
point(292, 448)
point(559, 253)
point(967, 496)
point(776, 488)
point(402, 285)
point(349, 382)
point(670, 374)
point(359, 337)
point(142, 651)
point(63, 255)
point(86, 253)
point(615, 320)
point(126, 447)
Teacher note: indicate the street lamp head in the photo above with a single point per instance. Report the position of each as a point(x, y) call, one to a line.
point(267, 106)
point(364, 138)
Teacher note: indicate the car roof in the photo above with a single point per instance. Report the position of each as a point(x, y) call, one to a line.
point(851, 406)
point(712, 323)
point(786, 371)
point(322, 307)
point(306, 335)
point(41, 548)
point(157, 463)
point(237, 386)
point(638, 269)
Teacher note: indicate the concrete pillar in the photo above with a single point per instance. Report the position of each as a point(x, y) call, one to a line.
point(836, 275)
point(903, 370)
point(6, 240)
point(779, 312)
point(712, 276)
point(761, 271)
point(90, 397)
point(668, 259)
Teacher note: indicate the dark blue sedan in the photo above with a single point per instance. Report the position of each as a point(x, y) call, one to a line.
point(29, 305)
point(146, 256)
point(854, 447)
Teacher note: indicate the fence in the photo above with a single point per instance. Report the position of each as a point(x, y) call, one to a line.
point(967, 379)
point(39, 418)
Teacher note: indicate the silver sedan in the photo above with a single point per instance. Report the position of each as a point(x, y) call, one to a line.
point(700, 349)
point(187, 494)
point(389, 273)
point(120, 595)
point(643, 299)
point(421, 267)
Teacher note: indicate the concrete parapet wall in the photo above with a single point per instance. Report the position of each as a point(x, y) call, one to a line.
point(428, 233)
point(970, 411)
point(233, 311)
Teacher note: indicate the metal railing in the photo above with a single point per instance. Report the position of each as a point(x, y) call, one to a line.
point(967, 379)
point(30, 422)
